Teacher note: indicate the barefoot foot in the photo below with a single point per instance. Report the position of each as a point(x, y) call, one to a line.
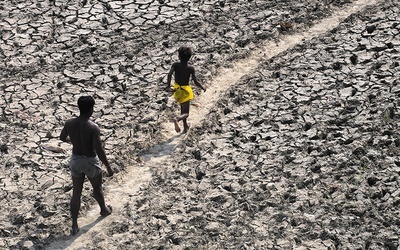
point(185, 129)
point(74, 230)
point(196, 104)
point(177, 128)
point(107, 211)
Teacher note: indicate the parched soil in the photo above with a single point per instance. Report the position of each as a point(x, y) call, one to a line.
point(299, 153)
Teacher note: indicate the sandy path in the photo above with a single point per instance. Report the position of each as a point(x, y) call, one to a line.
point(120, 188)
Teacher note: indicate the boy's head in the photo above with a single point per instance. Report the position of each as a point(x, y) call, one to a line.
point(184, 53)
point(86, 104)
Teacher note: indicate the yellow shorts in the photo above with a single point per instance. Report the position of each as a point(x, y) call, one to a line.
point(183, 93)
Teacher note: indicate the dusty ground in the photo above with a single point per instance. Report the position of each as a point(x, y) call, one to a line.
point(300, 151)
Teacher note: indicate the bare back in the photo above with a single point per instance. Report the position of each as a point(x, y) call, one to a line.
point(82, 133)
point(182, 73)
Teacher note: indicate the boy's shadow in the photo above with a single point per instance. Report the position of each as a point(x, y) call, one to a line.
point(64, 241)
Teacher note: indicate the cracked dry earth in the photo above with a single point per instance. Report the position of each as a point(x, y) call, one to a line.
point(298, 151)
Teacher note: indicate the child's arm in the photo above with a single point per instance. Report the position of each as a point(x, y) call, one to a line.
point(169, 78)
point(198, 84)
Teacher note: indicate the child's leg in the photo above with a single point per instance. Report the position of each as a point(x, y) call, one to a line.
point(184, 115)
point(177, 128)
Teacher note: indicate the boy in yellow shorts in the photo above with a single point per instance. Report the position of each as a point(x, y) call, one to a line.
point(183, 92)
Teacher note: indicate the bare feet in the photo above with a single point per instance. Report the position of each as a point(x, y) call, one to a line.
point(107, 211)
point(186, 129)
point(196, 104)
point(74, 230)
point(177, 128)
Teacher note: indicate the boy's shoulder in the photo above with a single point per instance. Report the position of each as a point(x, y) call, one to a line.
point(189, 66)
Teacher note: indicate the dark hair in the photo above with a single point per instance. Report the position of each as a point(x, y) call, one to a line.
point(85, 104)
point(185, 53)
